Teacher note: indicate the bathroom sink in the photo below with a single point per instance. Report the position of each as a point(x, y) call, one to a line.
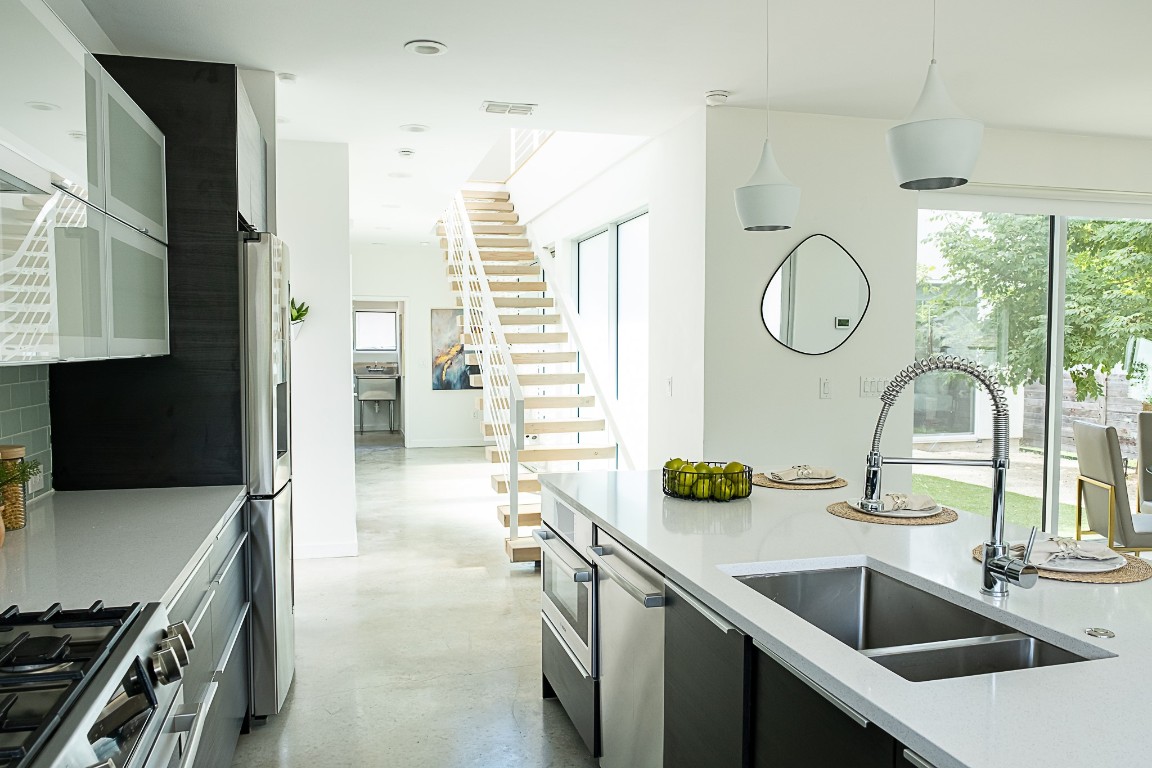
point(917, 635)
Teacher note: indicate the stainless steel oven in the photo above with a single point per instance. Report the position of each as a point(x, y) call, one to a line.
point(566, 596)
point(569, 655)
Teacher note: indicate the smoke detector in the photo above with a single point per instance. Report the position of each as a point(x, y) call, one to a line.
point(715, 98)
point(287, 78)
point(415, 128)
point(425, 47)
point(507, 108)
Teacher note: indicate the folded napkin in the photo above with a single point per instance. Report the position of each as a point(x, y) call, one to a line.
point(913, 502)
point(1055, 549)
point(803, 472)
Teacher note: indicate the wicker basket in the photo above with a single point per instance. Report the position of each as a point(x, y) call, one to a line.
point(13, 494)
point(682, 484)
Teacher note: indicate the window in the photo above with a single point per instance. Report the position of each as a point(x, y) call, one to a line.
point(375, 331)
point(1055, 307)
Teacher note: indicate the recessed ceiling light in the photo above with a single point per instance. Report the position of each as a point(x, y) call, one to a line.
point(424, 242)
point(282, 120)
point(390, 205)
point(399, 175)
point(42, 106)
point(415, 128)
point(405, 152)
point(287, 78)
point(78, 135)
point(425, 47)
point(377, 243)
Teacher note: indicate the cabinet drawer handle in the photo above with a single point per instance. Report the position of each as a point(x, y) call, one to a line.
point(194, 722)
point(716, 619)
point(916, 760)
point(648, 596)
point(232, 555)
point(222, 664)
point(188, 582)
point(574, 566)
point(202, 611)
point(831, 699)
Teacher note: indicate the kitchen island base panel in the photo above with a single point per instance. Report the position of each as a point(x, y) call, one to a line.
point(577, 692)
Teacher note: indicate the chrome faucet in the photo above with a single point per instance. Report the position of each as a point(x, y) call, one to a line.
point(1000, 568)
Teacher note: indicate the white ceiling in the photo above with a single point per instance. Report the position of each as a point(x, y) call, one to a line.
point(637, 67)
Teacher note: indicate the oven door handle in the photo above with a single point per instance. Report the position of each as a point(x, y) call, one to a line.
point(194, 722)
point(579, 570)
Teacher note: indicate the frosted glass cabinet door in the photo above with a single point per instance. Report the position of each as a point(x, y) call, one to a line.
point(81, 278)
point(50, 98)
point(28, 321)
point(134, 163)
point(137, 293)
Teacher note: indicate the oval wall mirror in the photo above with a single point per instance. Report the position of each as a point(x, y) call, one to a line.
point(816, 298)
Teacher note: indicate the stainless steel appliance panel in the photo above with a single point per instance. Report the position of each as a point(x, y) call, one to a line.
point(566, 597)
point(630, 603)
point(267, 357)
point(273, 623)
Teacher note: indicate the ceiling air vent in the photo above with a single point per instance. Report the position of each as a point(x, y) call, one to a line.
point(506, 108)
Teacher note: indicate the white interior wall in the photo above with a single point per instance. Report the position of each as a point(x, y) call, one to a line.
point(313, 207)
point(761, 403)
point(567, 191)
point(418, 278)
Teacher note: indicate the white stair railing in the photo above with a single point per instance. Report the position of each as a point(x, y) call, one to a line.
point(525, 142)
point(558, 289)
point(503, 397)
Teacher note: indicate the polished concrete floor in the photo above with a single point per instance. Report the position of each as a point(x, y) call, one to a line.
point(423, 651)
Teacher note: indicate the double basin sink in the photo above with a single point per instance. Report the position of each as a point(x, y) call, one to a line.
point(917, 635)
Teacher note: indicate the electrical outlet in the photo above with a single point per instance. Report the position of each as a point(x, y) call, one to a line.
point(36, 483)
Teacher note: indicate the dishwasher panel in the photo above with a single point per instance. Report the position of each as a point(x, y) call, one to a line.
point(630, 600)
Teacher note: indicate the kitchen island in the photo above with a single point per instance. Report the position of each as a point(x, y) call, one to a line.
point(979, 721)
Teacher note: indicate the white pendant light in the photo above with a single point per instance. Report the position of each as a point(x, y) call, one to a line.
point(937, 146)
point(769, 202)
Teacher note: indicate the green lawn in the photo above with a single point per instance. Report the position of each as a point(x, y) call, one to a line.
point(1022, 510)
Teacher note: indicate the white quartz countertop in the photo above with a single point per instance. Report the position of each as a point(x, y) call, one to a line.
point(1083, 714)
point(120, 546)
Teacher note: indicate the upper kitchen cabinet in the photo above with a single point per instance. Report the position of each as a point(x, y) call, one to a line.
point(135, 164)
point(251, 164)
point(137, 293)
point(50, 98)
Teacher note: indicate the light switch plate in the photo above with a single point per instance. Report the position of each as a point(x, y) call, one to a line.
point(36, 483)
point(825, 389)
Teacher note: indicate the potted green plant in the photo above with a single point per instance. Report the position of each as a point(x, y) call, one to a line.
point(13, 475)
point(297, 313)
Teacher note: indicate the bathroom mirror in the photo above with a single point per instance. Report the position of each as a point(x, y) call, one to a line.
point(816, 298)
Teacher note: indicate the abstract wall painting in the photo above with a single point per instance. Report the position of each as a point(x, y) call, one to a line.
point(449, 365)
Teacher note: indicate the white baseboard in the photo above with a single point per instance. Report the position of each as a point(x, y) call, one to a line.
point(446, 442)
point(317, 549)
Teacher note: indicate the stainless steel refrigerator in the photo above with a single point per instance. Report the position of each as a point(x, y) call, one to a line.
point(267, 359)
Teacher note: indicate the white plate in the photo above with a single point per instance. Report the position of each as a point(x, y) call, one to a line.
point(804, 481)
point(899, 512)
point(1083, 566)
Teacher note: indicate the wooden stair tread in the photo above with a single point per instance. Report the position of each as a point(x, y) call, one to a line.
point(555, 426)
point(495, 286)
point(502, 255)
point(529, 358)
point(501, 217)
point(544, 402)
point(559, 337)
point(526, 480)
point(485, 194)
point(532, 270)
point(516, 302)
point(488, 205)
point(530, 319)
point(542, 379)
point(522, 550)
point(517, 243)
point(528, 514)
point(491, 229)
point(573, 452)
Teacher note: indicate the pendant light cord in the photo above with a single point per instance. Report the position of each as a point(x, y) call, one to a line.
point(933, 31)
point(767, 68)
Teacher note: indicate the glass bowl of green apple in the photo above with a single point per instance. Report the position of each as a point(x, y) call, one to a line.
point(707, 480)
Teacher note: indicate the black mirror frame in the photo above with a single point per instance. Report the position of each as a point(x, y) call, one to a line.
point(863, 312)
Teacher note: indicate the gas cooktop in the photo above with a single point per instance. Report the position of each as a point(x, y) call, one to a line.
point(45, 659)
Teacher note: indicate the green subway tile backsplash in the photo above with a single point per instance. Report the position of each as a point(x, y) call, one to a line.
point(24, 414)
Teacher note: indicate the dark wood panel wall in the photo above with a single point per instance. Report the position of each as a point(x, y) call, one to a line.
point(174, 420)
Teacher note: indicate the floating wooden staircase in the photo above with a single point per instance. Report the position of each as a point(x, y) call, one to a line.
point(557, 436)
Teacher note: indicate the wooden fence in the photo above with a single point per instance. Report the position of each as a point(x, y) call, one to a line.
point(1114, 408)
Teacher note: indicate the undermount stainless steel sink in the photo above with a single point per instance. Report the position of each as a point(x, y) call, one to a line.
point(913, 633)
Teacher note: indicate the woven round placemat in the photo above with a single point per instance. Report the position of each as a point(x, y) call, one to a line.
point(1136, 570)
point(764, 481)
point(844, 509)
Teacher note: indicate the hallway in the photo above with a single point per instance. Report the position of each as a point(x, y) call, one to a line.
point(424, 650)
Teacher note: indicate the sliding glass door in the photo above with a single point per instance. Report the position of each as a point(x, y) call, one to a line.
point(1060, 309)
